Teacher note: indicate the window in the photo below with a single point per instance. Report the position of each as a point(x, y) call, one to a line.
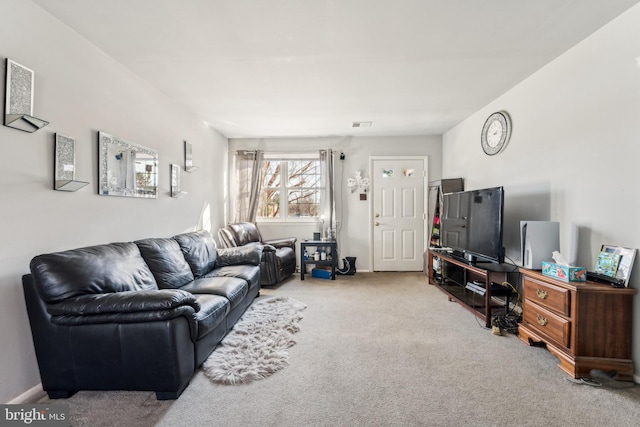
point(290, 188)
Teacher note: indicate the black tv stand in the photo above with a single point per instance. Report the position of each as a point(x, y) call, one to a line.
point(452, 276)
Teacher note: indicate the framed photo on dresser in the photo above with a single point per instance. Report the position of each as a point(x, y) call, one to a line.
point(628, 256)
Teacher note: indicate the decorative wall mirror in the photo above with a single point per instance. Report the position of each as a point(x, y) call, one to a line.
point(188, 158)
point(65, 165)
point(126, 169)
point(18, 111)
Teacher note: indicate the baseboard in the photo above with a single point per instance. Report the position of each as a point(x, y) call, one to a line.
point(30, 396)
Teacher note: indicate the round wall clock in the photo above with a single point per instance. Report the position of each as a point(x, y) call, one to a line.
point(496, 133)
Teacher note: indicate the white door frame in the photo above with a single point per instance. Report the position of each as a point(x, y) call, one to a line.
point(425, 161)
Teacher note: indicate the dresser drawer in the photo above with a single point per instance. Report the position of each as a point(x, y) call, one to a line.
point(547, 295)
point(546, 322)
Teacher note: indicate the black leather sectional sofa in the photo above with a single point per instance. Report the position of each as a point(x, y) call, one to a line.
point(137, 315)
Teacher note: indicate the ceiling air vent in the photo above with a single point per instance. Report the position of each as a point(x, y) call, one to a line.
point(361, 124)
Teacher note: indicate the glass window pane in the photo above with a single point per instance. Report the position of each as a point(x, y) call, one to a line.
point(303, 203)
point(304, 173)
point(271, 175)
point(269, 206)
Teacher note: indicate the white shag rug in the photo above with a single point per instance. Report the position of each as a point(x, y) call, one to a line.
point(257, 345)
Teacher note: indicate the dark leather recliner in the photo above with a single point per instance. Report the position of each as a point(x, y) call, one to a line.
point(278, 255)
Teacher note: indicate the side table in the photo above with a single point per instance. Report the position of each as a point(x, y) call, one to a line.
point(331, 249)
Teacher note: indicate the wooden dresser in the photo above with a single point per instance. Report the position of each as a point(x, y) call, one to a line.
point(587, 325)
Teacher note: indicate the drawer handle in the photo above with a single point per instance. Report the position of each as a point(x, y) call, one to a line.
point(542, 321)
point(542, 294)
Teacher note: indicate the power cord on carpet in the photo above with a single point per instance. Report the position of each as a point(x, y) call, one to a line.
point(602, 379)
point(510, 320)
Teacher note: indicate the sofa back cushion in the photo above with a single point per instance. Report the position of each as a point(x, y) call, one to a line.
point(199, 249)
point(115, 267)
point(164, 258)
point(244, 233)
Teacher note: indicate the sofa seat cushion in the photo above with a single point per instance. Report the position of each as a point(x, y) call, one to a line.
point(231, 288)
point(250, 254)
point(250, 273)
point(166, 261)
point(115, 267)
point(213, 311)
point(199, 250)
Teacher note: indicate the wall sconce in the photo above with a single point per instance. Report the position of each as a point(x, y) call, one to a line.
point(358, 182)
point(65, 165)
point(188, 158)
point(176, 192)
point(18, 111)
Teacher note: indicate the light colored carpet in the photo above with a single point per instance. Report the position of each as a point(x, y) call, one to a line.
point(381, 349)
point(257, 346)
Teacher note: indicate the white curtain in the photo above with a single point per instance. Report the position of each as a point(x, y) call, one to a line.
point(248, 178)
point(327, 201)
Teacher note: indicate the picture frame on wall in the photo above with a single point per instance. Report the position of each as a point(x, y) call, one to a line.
point(628, 256)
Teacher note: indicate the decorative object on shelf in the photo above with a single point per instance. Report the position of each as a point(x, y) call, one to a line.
point(18, 111)
point(175, 182)
point(496, 133)
point(65, 165)
point(126, 169)
point(188, 158)
point(358, 182)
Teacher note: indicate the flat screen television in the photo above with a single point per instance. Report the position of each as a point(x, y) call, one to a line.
point(472, 223)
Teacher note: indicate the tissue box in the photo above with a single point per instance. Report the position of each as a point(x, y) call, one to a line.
point(566, 273)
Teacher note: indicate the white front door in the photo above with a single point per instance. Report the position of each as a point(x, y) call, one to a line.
point(398, 191)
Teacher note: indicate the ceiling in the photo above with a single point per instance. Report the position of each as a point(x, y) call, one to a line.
point(280, 68)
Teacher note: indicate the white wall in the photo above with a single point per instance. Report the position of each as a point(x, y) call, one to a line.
point(81, 90)
point(351, 212)
point(573, 155)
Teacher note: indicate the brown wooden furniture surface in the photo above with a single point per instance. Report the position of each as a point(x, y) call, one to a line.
point(487, 273)
point(587, 325)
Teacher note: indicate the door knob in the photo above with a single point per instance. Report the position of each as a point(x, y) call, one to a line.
point(377, 223)
point(377, 215)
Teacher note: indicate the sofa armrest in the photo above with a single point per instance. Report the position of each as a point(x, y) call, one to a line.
point(268, 248)
point(127, 307)
point(124, 302)
point(288, 242)
point(248, 254)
